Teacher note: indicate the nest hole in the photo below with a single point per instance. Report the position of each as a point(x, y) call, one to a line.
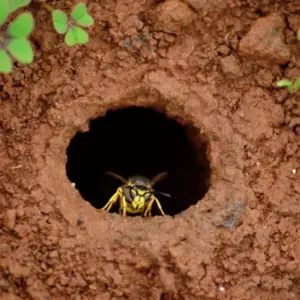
point(139, 141)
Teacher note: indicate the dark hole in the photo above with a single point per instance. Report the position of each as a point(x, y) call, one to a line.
point(158, 1)
point(259, 12)
point(139, 141)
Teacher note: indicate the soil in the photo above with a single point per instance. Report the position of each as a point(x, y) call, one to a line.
point(211, 64)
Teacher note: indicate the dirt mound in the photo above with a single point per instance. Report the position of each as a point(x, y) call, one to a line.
point(228, 137)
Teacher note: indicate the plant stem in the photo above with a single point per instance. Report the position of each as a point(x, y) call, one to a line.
point(46, 6)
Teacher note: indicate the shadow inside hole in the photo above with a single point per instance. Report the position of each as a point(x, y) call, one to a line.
point(139, 141)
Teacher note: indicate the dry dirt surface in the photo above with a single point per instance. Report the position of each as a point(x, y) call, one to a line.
point(207, 72)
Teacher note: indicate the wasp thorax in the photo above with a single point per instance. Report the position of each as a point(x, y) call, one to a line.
point(139, 181)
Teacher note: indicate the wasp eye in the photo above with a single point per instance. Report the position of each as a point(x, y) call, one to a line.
point(147, 196)
point(133, 193)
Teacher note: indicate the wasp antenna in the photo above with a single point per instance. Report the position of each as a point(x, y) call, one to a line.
point(117, 176)
point(158, 177)
point(162, 194)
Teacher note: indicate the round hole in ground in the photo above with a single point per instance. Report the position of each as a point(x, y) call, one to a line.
point(139, 141)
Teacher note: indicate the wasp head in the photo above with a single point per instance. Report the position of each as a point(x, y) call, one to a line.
point(138, 189)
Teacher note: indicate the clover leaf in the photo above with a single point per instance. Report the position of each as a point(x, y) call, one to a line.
point(74, 34)
point(19, 29)
point(15, 42)
point(292, 87)
point(60, 21)
point(81, 16)
point(284, 83)
point(16, 4)
point(21, 50)
point(4, 11)
point(5, 62)
point(22, 26)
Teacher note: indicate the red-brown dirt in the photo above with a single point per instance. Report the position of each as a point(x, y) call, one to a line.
point(214, 64)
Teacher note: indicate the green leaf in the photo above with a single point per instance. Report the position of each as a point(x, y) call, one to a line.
point(15, 4)
point(4, 11)
point(298, 35)
point(5, 62)
point(70, 38)
point(79, 11)
point(22, 26)
point(284, 83)
point(76, 35)
point(85, 21)
point(81, 35)
point(60, 21)
point(81, 16)
point(21, 50)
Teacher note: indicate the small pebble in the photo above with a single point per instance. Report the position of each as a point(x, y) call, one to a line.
point(222, 289)
point(93, 287)
point(20, 211)
point(73, 184)
point(46, 208)
point(9, 219)
point(4, 284)
point(79, 222)
point(53, 254)
point(294, 171)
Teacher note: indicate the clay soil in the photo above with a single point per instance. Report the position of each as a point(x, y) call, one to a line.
point(210, 63)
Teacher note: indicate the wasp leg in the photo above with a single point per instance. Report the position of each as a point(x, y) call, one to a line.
point(159, 206)
point(114, 198)
point(149, 207)
point(124, 205)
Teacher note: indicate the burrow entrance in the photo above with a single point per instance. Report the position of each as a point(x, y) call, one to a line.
point(139, 141)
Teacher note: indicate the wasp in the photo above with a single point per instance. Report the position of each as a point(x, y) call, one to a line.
point(136, 195)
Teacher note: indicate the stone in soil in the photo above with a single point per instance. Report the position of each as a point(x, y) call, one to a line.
point(265, 41)
point(9, 219)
